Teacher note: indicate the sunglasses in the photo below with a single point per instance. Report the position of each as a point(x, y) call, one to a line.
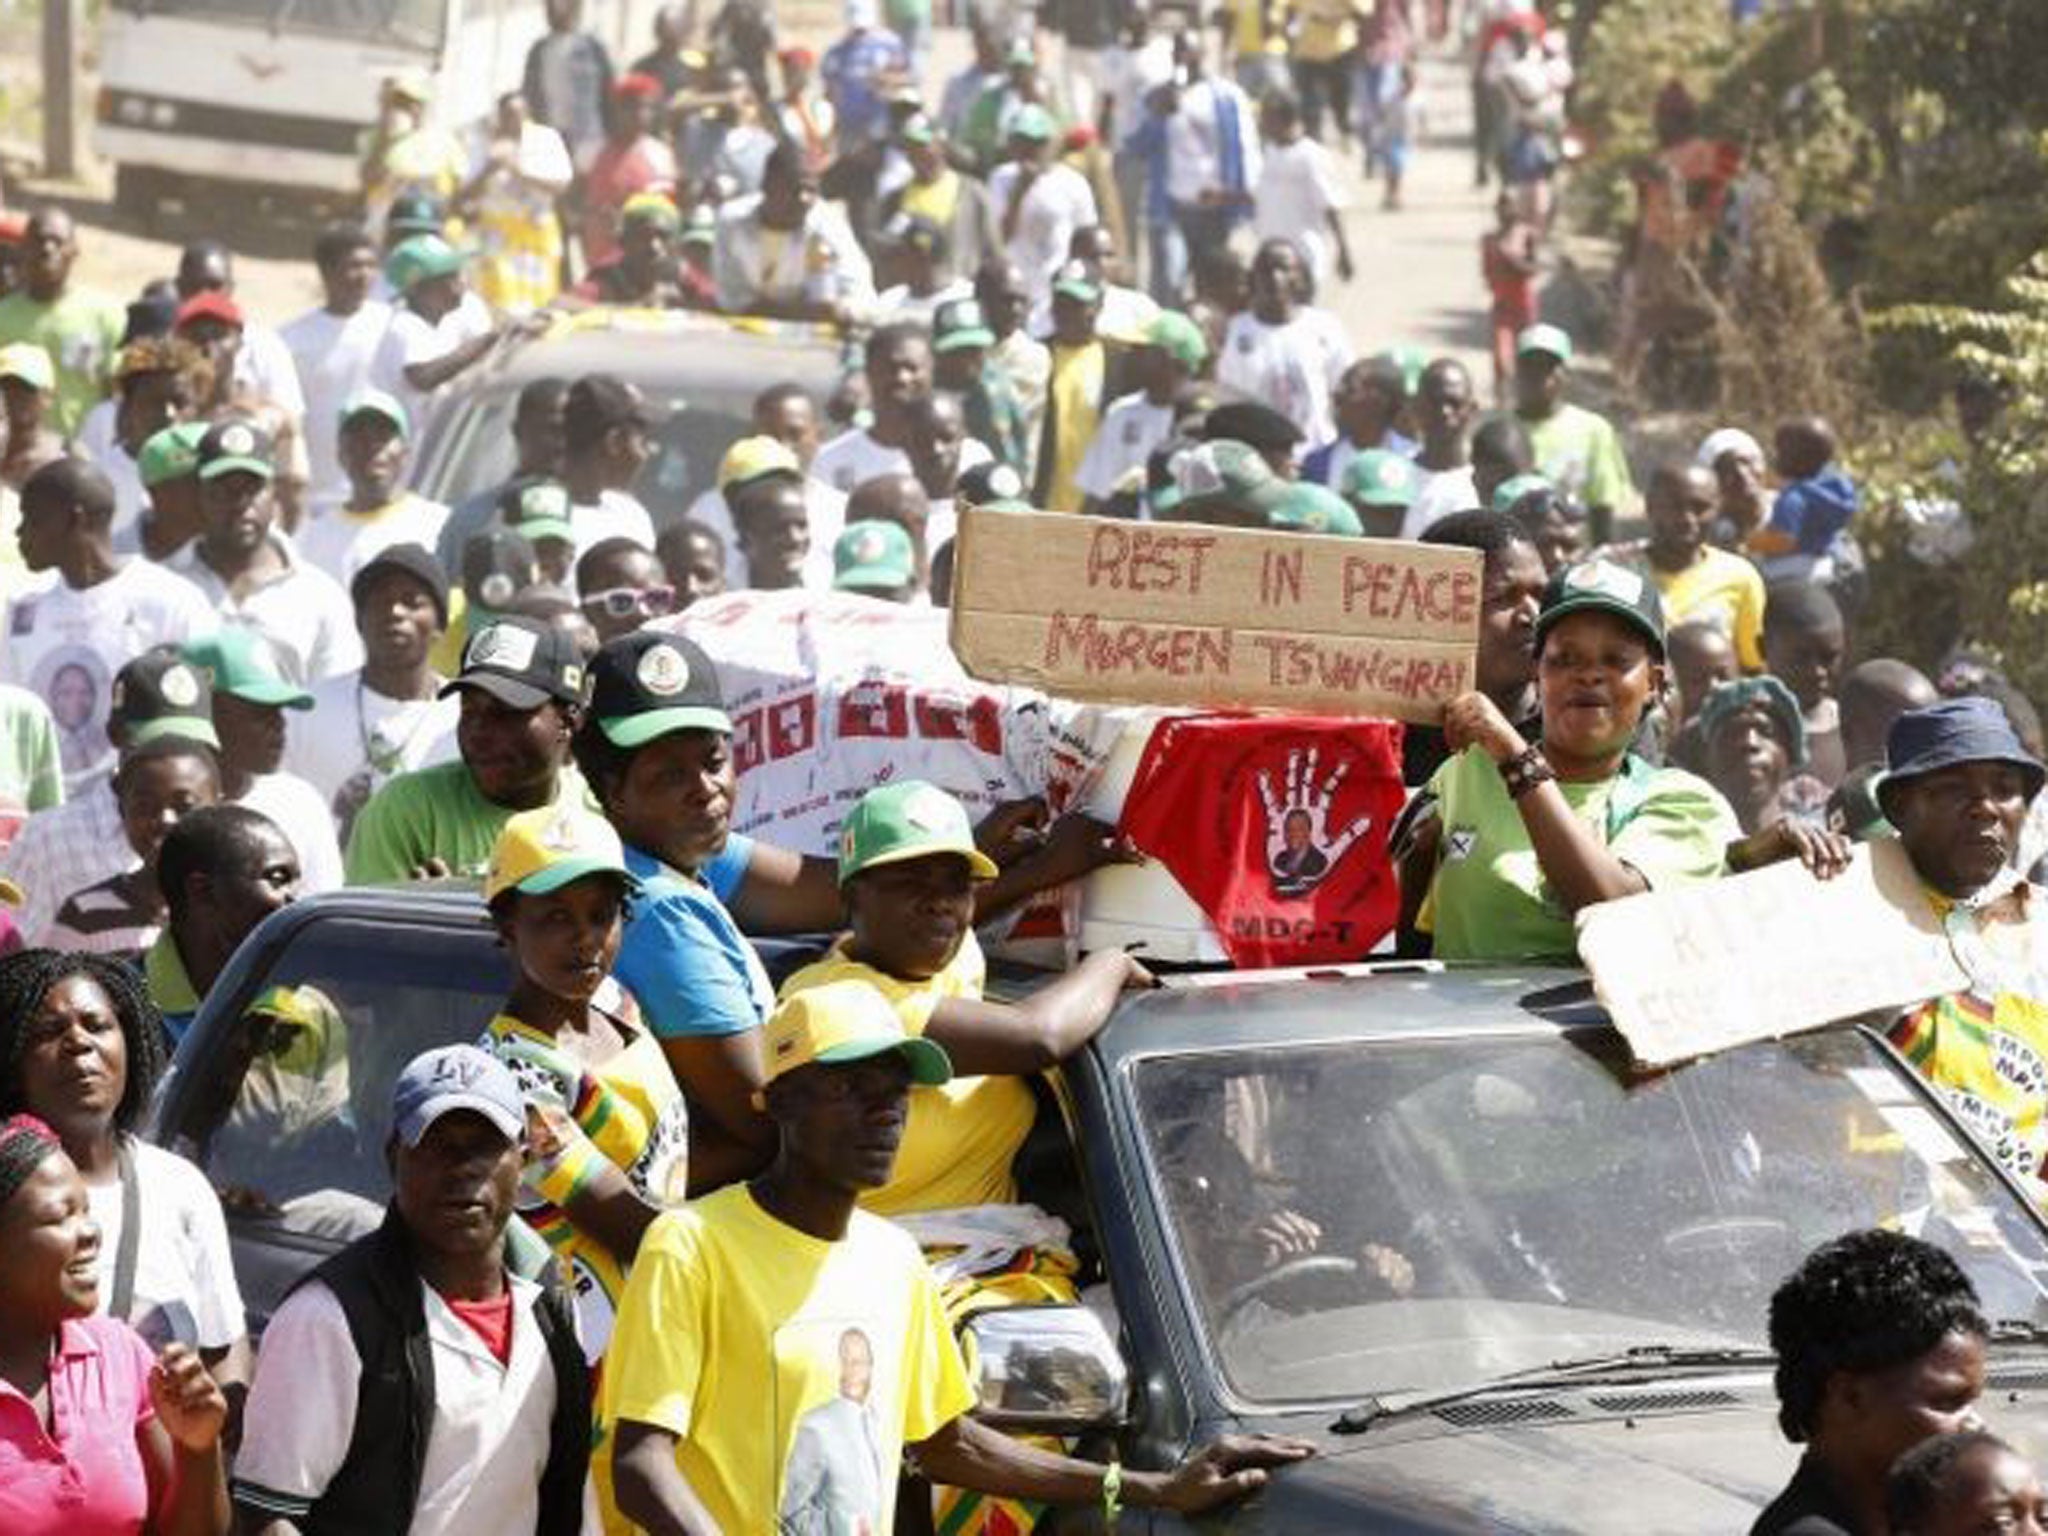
point(624, 602)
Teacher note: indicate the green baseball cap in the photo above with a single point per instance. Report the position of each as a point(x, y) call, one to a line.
point(1513, 489)
point(1551, 339)
point(375, 402)
point(1031, 121)
point(873, 555)
point(701, 227)
point(1306, 507)
point(960, 323)
point(907, 820)
point(1075, 281)
point(236, 447)
point(241, 667)
point(537, 509)
point(1602, 586)
point(1226, 472)
point(417, 260)
point(171, 454)
point(1378, 478)
point(1179, 338)
point(647, 685)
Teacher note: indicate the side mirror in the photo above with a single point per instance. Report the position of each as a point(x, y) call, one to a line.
point(1049, 1369)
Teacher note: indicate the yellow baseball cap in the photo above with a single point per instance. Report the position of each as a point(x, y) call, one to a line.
point(755, 458)
point(840, 1023)
point(544, 849)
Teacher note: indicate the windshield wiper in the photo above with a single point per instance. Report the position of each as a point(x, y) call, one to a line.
point(1641, 1357)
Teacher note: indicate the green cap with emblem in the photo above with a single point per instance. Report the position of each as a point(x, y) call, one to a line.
point(171, 454)
point(647, 685)
point(242, 667)
point(1377, 478)
point(1179, 338)
point(419, 260)
point(537, 509)
point(1224, 472)
point(1305, 507)
point(873, 556)
point(160, 695)
point(907, 820)
point(1602, 586)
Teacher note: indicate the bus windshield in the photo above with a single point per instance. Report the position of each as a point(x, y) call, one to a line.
point(411, 22)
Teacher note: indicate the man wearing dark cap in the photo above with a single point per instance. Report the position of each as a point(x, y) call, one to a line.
point(104, 841)
point(521, 689)
point(64, 641)
point(250, 574)
point(605, 423)
point(1957, 785)
point(388, 717)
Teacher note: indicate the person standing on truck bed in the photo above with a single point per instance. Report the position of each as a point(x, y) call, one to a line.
point(568, 79)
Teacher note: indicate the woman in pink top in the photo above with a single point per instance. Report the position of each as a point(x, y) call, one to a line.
point(96, 1437)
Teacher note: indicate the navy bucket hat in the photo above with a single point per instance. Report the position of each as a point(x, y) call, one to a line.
point(1944, 735)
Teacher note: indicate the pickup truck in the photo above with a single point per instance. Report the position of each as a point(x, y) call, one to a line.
point(1534, 1291)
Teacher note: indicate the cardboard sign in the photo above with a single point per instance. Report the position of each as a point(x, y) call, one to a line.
point(1704, 967)
point(1193, 617)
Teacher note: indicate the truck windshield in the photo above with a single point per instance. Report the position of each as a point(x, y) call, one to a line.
point(1402, 1217)
point(413, 22)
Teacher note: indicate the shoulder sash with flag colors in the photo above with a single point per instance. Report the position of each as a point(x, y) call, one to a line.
point(1277, 828)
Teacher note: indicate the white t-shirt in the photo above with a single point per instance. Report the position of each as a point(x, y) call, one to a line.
point(302, 613)
point(614, 515)
point(1128, 77)
point(341, 542)
point(265, 367)
point(185, 1288)
point(1195, 142)
point(334, 355)
point(1294, 367)
point(411, 341)
point(303, 815)
point(64, 645)
point(1296, 193)
point(853, 458)
point(1438, 493)
point(486, 1448)
point(1057, 203)
point(353, 730)
point(1130, 429)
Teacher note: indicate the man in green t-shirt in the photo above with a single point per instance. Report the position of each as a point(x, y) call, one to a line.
point(30, 778)
point(1577, 450)
point(522, 692)
point(81, 331)
point(778, 1349)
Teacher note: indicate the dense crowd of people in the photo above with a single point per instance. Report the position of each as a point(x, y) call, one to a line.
point(244, 660)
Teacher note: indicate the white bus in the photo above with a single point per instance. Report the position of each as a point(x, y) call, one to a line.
point(277, 94)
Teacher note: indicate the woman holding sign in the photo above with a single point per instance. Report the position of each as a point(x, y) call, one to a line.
point(1526, 833)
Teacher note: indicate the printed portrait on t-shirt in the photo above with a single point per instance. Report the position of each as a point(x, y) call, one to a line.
point(834, 1482)
point(72, 680)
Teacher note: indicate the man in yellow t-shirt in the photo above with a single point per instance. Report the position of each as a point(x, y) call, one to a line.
point(778, 1348)
point(1075, 395)
point(1697, 582)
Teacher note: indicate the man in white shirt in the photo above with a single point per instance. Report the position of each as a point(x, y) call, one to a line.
point(784, 253)
point(88, 614)
point(425, 1316)
point(1444, 406)
point(250, 574)
point(249, 704)
point(1139, 422)
point(1296, 196)
point(388, 717)
point(604, 445)
point(334, 348)
point(1212, 152)
point(898, 362)
point(1039, 201)
point(439, 329)
point(379, 511)
point(1282, 351)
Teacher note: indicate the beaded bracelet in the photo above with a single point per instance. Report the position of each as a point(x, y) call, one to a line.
point(1112, 1494)
point(1525, 770)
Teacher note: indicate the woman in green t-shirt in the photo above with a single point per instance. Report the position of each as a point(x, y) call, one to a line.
point(1526, 834)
